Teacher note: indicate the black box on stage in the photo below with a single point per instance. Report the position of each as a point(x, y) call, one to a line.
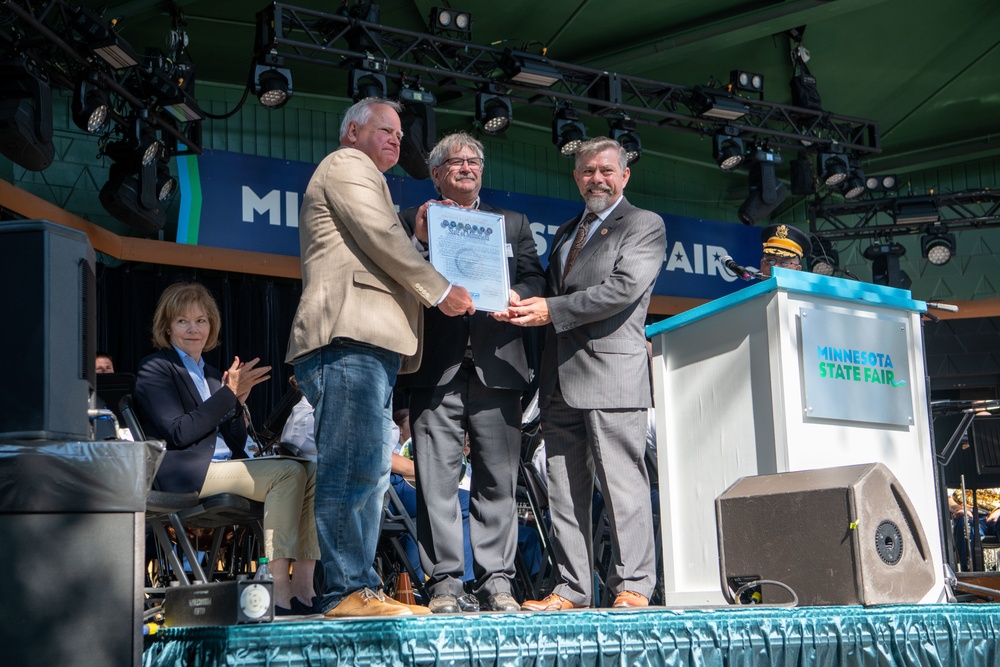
point(845, 535)
point(220, 603)
point(47, 273)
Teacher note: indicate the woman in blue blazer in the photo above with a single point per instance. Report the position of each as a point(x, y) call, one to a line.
point(198, 411)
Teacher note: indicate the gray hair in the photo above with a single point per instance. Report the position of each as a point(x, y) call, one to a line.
point(592, 147)
point(361, 112)
point(450, 144)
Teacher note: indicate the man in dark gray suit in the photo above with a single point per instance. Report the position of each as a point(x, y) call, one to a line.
point(473, 374)
point(595, 380)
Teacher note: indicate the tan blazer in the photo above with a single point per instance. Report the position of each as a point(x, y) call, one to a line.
point(361, 276)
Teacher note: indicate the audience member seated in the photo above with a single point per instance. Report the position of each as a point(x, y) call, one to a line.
point(103, 363)
point(988, 501)
point(195, 408)
point(104, 428)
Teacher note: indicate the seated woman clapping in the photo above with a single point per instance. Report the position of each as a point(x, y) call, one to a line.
point(198, 411)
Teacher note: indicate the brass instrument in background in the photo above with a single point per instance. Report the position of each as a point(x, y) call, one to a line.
point(988, 499)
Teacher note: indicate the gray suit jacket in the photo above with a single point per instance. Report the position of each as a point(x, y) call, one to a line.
point(497, 347)
point(361, 276)
point(596, 344)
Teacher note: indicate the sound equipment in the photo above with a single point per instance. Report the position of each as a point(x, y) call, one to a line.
point(835, 536)
point(47, 273)
point(220, 603)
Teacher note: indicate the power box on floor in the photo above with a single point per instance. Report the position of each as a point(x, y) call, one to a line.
point(219, 603)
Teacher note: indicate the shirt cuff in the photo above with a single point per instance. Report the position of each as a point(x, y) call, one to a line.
point(444, 296)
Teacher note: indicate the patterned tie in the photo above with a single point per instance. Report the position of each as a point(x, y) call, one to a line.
point(581, 238)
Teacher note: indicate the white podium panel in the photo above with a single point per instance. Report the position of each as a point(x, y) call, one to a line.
point(798, 372)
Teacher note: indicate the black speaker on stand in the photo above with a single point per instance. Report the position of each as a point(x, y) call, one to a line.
point(835, 536)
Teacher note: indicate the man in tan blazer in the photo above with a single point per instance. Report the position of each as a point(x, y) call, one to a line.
point(364, 286)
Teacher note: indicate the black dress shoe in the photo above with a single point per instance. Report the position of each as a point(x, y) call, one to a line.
point(468, 603)
point(502, 602)
point(443, 604)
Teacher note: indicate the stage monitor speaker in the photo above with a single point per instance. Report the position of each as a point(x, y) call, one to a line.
point(47, 273)
point(835, 536)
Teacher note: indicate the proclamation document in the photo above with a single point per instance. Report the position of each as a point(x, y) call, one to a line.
point(469, 248)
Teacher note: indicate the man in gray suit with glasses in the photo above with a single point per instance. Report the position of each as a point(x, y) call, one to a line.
point(595, 386)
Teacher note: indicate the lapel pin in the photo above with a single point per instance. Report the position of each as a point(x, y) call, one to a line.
point(603, 232)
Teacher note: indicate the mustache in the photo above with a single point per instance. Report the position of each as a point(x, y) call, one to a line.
point(597, 188)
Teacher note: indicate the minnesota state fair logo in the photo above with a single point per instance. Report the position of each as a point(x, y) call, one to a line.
point(849, 365)
point(465, 229)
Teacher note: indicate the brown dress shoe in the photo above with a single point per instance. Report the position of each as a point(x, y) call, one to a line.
point(366, 602)
point(415, 609)
point(630, 599)
point(552, 603)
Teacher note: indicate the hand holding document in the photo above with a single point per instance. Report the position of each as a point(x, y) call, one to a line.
point(469, 248)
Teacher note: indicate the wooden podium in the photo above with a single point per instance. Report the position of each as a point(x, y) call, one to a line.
point(797, 372)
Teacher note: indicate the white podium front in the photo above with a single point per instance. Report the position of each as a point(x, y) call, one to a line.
point(797, 372)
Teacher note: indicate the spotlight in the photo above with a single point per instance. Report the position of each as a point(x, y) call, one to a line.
point(727, 148)
point(102, 40)
point(25, 115)
point(166, 184)
point(716, 103)
point(765, 191)
point(854, 186)
point(885, 265)
point(444, 19)
point(568, 133)
point(130, 196)
point(363, 83)
point(747, 82)
point(138, 148)
point(881, 183)
point(916, 211)
point(832, 168)
point(494, 112)
point(90, 105)
point(529, 70)
point(272, 85)
point(825, 261)
point(622, 130)
point(937, 245)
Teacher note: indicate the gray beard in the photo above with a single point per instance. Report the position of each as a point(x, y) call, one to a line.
point(597, 202)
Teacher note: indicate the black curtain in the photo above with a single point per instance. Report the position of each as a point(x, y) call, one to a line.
point(256, 320)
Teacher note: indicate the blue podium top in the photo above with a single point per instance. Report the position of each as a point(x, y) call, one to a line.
point(800, 282)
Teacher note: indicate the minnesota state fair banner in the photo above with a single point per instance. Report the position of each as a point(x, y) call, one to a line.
point(243, 202)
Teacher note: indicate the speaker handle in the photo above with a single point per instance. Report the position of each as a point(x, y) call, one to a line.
point(910, 512)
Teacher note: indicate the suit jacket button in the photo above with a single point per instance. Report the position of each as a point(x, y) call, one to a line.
point(465, 317)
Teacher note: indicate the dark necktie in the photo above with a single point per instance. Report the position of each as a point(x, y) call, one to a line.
point(581, 238)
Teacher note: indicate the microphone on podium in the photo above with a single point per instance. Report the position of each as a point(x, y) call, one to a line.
point(739, 271)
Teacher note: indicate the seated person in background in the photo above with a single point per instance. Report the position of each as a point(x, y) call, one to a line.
point(784, 247)
point(300, 427)
point(192, 406)
point(988, 500)
point(103, 363)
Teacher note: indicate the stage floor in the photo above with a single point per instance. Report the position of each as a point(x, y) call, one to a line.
point(951, 634)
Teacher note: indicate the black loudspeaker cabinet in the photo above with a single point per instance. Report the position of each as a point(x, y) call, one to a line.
point(47, 273)
point(836, 536)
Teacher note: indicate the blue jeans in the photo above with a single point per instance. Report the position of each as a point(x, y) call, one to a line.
point(350, 387)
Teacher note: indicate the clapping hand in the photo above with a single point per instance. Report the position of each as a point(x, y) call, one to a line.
point(243, 376)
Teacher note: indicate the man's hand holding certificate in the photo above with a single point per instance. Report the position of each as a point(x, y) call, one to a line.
point(468, 247)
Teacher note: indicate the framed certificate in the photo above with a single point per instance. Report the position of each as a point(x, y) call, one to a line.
point(469, 248)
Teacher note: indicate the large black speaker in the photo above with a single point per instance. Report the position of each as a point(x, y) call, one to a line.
point(846, 535)
point(47, 273)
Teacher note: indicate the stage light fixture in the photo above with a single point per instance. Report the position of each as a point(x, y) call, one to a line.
point(25, 115)
point(622, 130)
point(854, 186)
point(166, 185)
point(887, 183)
point(494, 112)
point(833, 168)
point(444, 19)
point(419, 126)
point(748, 82)
point(916, 211)
point(568, 133)
point(727, 148)
point(765, 192)
point(102, 40)
point(359, 38)
point(528, 69)
point(130, 196)
point(272, 85)
point(90, 105)
point(885, 265)
point(716, 103)
point(825, 261)
point(363, 84)
point(139, 147)
point(938, 245)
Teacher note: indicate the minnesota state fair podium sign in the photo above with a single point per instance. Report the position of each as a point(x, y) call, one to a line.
point(855, 368)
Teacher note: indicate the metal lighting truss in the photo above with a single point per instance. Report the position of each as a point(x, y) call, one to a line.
point(876, 218)
point(441, 64)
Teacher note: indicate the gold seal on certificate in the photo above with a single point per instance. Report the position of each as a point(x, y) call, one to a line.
point(469, 248)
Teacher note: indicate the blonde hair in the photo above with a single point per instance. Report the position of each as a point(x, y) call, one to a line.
point(174, 302)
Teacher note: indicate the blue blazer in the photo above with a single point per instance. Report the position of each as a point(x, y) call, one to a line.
point(170, 408)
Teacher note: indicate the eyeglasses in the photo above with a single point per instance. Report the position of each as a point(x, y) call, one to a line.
point(783, 263)
point(457, 162)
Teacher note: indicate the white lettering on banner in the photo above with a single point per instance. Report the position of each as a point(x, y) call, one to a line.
point(269, 204)
point(705, 262)
point(291, 209)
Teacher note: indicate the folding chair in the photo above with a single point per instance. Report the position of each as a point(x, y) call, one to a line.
point(396, 524)
point(532, 490)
